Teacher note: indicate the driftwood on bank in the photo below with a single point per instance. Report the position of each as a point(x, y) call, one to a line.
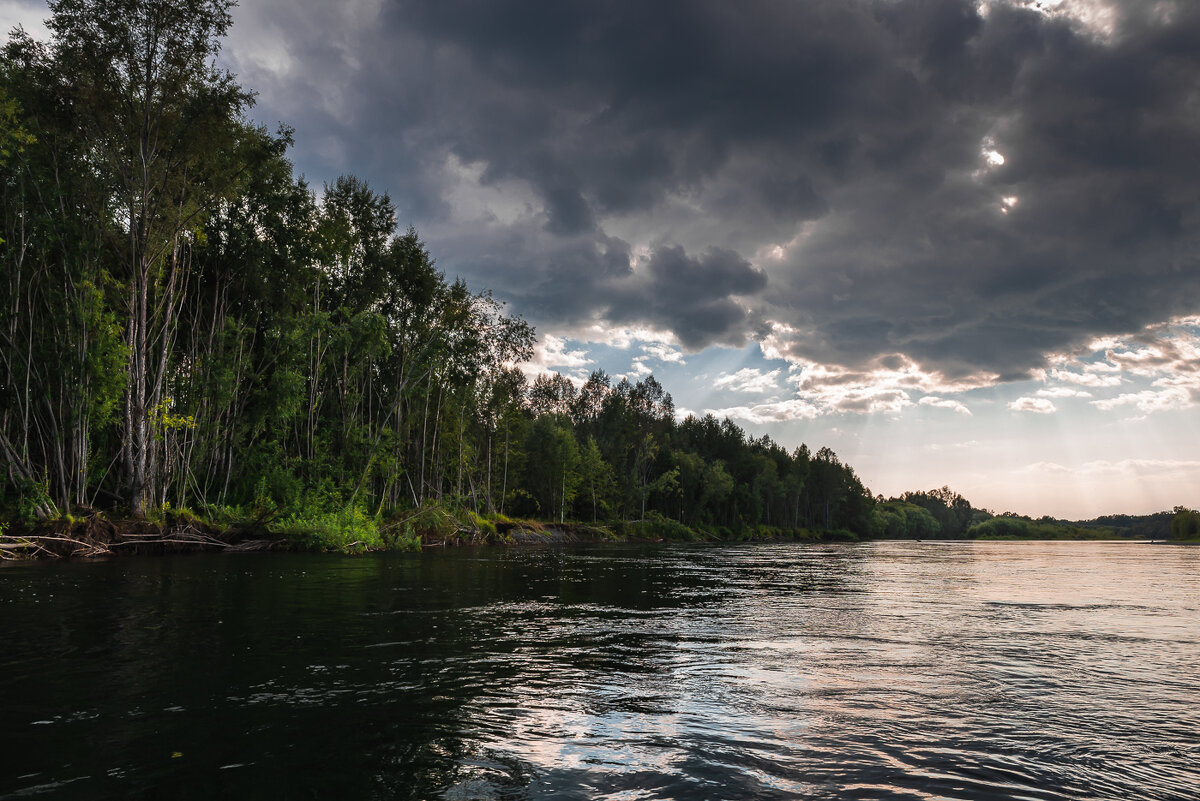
point(94, 535)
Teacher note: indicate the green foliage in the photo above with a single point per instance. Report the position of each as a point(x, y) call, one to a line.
point(655, 527)
point(553, 472)
point(952, 512)
point(348, 530)
point(13, 136)
point(1185, 525)
point(433, 521)
point(405, 539)
point(33, 501)
point(659, 527)
point(1013, 527)
point(903, 520)
point(481, 524)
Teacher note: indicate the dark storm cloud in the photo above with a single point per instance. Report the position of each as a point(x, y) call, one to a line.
point(574, 281)
point(690, 295)
point(852, 129)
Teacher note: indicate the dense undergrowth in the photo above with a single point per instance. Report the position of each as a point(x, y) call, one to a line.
point(321, 527)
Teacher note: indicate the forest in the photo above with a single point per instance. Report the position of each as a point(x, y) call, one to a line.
point(189, 331)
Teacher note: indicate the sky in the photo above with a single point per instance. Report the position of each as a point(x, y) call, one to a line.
point(954, 240)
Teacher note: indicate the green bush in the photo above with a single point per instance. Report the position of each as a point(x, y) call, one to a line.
point(405, 539)
point(658, 527)
point(481, 524)
point(434, 521)
point(348, 530)
point(1000, 528)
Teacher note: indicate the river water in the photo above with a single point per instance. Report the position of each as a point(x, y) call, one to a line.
point(1015, 670)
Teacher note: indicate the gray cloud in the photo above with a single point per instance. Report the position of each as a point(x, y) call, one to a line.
point(574, 281)
point(849, 133)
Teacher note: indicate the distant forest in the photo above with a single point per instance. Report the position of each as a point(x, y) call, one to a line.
point(186, 325)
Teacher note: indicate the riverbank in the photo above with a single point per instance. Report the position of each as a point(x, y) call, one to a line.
point(91, 534)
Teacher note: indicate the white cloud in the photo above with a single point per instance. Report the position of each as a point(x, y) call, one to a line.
point(664, 353)
point(638, 369)
point(1149, 400)
point(889, 371)
point(886, 385)
point(1063, 392)
point(1087, 379)
point(1044, 467)
point(551, 354)
point(1036, 405)
point(1167, 355)
point(945, 403)
point(748, 379)
point(872, 399)
point(778, 412)
point(623, 338)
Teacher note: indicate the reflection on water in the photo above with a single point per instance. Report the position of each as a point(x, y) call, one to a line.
point(887, 670)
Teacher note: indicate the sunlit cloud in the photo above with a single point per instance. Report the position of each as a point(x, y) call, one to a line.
point(1087, 379)
point(623, 337)
point(749, 379)
point(777, 412)
point(1097, 18)
point(550, 354)
point(664, 353)
point(945, 403)
point(639, 369)
point(1035, 405)
point(1149, 401)
point(889, 371)
point(1063, 392)
point(1165, 355)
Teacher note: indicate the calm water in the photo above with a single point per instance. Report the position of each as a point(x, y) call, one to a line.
point(889, 670)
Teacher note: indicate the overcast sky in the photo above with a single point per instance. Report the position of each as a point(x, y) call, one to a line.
point(955, 240)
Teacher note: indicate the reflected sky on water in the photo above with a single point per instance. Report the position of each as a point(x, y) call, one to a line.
point(886, 670)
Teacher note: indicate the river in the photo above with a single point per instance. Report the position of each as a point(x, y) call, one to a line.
point(1003, 670)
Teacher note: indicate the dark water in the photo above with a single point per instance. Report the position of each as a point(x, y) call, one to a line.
point(890, 670)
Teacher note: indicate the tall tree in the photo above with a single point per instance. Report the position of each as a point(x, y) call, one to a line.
point(163, 127)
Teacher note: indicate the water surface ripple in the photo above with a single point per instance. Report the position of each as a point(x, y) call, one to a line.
point(875, 671)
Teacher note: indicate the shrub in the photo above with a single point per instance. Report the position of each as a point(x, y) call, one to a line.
point(405, 539)
point(657, 526)
point(481, 524)
point(349, 530)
